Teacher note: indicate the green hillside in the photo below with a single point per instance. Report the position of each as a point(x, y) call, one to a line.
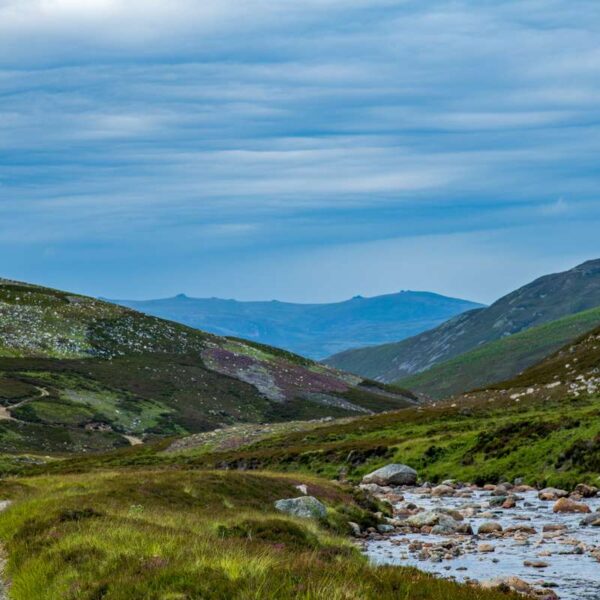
point(542, 301)
point(502, 359)
point(78, 374)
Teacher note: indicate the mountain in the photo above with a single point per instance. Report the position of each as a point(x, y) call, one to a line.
point(313, 330)
point(81, 374)
point(546, 299)
point(502, 359)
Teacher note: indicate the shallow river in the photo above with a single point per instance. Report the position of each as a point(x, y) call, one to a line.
point(572, 576)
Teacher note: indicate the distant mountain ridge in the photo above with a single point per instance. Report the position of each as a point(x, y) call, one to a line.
point(546, 299)
point(312, 330)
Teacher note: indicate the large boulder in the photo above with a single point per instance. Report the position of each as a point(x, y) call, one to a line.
point(565, 505)
point(431, 518)
point(306, 507)
point(394, 474)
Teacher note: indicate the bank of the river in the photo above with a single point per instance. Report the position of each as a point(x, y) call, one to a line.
point(542, 543)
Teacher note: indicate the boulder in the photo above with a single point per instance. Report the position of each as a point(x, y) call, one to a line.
point(536, 564)
point(489, 527)
point(564, 505)
point(306, 507)
point(445, 526)
point(393, 474)
point(443, 490)
point(486, 548)
point(496, 501)
point(549, 494)
point(354, 528)
point(510, 502)
point(429, 518)
point(586, 491)
point(508, 583)
point(593, 520)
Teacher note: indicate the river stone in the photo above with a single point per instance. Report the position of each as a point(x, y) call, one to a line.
point(443, 490)
point(306, 507)
point(510, 582)
point(394, 474)
point(552, 494)
point(564, 505)
point(429, 518)
point(490, 527)
point(495, 501)
point(445, 525)
point(593, 519)
point(586, 491)
point(536, 564)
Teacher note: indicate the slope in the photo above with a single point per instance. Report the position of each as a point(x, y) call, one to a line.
point(78, 374)
point(314, 330)
point(502, 359)
point(546, 299)
point(541, 426)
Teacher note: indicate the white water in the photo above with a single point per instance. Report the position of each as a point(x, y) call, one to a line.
point(575, 576)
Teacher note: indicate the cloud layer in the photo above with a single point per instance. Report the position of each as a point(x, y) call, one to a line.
point(260, 135)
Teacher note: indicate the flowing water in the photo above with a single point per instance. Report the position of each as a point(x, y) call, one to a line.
point(572, 575)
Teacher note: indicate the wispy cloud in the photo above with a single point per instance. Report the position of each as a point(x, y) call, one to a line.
point(262, 125)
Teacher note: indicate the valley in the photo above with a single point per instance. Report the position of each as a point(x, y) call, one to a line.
point(141, 458)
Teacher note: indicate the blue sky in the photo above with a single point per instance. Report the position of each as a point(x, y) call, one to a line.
point(308, 150)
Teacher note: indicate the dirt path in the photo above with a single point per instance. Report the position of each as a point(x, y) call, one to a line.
point(5, 411)
point(133, 440)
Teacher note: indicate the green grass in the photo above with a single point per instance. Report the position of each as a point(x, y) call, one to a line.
point(502, 359)
point(103, 365)
point(192, 534)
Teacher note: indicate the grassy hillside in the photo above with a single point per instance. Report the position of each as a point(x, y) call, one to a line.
point(77, 374)
point(501, 360)
point(158, 521)
point(541, 426)
point(158, 535)
point(544, 300)
point(315, 330)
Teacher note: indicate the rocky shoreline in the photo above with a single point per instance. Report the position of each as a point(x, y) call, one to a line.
point(544, 544)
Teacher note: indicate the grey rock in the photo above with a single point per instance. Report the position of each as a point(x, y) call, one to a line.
point(354, 528)
point(393, 474)
point(306, 507)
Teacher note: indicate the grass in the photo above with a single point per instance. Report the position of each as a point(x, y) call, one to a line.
point(503, 359)
point(158, 535)
point(105, 366)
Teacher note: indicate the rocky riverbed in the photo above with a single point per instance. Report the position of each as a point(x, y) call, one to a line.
point(542, 543)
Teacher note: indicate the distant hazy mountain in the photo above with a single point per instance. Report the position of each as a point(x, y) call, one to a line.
point(546, 299)
point(313, 330)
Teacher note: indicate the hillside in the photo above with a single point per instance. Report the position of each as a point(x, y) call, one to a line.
point(502, 359)
point(546, 299)
point(313, 330)
point(81, 374)
point(541, 426)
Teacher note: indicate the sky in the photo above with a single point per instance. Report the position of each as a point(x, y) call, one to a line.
point(306, 151)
